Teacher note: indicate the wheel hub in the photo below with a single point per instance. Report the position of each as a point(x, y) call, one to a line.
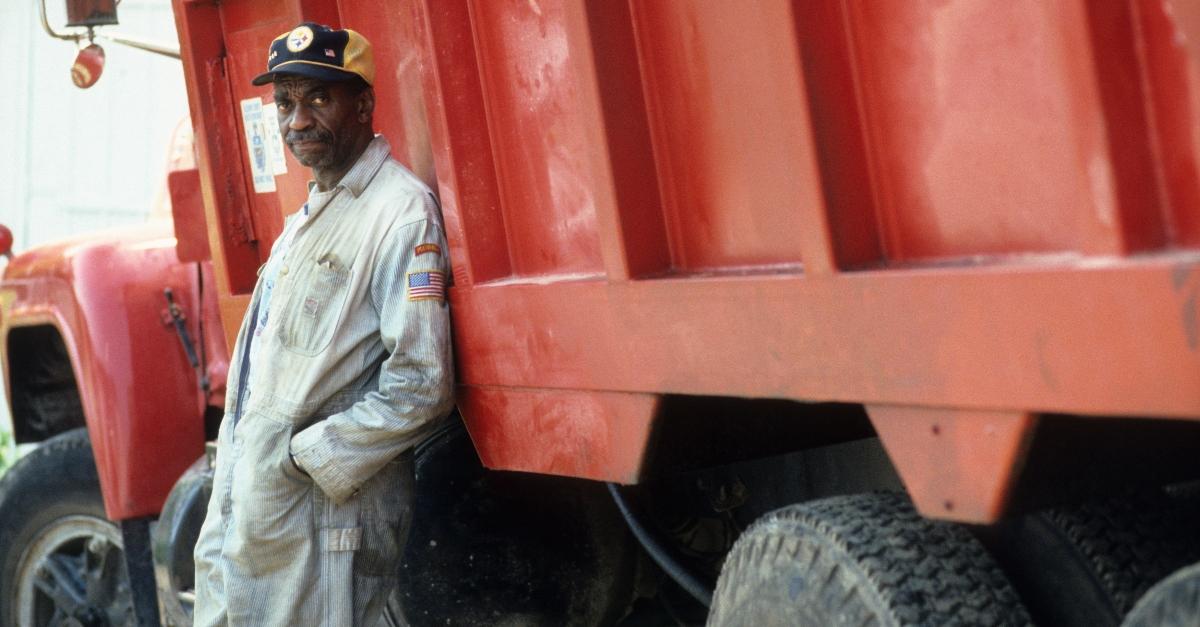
point(74, 574)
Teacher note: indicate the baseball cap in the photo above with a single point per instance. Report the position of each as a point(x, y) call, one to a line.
point(320, 52)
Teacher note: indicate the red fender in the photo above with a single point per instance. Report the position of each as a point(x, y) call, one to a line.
point(141, 399)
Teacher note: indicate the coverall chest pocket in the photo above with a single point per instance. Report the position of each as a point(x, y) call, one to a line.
point(315, 306)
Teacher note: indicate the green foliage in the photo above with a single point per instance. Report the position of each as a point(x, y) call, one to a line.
point(8, 452)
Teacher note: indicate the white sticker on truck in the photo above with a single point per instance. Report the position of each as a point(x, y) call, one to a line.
point(270, 119)
point(261, 165)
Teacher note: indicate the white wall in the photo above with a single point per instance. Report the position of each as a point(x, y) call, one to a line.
point(75, 160)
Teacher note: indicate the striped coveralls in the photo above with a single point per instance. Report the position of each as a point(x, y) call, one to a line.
point(313, 479)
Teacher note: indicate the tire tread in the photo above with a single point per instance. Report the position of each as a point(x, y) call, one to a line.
point(917, 571)
point(1130, 543)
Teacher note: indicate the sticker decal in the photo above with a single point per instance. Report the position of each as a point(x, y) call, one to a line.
point(270, 122)
point(300, 38)
point(427, 248)
point(426, 285)
point(261, 166)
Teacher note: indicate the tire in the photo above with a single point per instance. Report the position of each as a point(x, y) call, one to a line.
point(173, 542)
point(865, 559)
point(1173, 602)
point(1086, 565)
point(55, 540)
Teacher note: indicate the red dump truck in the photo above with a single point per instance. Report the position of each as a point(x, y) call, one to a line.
point(783, 312)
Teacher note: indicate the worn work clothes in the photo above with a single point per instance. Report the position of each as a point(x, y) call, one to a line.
point(270, 273)
point(352, 371)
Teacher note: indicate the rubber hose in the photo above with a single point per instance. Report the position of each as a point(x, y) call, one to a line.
point(659, 553)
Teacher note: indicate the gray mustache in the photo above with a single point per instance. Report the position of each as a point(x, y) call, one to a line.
point(309, 136)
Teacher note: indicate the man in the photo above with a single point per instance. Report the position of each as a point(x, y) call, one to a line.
point(342, 364)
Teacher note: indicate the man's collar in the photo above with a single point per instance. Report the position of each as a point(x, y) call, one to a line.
point(363, 170)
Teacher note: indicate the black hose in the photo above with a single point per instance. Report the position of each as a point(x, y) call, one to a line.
point(659, 554)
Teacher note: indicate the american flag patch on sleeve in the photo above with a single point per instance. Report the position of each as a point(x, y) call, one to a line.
point(426, 285)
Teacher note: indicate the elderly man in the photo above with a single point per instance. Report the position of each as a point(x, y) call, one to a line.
point(342, 364)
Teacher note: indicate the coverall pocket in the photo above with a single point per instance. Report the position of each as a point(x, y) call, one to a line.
point(315, 307)
point(271, 508)
point(386, 502)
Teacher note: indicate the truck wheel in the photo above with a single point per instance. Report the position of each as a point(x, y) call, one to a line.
point(1173, 602)
point(1086, 565)
point(61, 560)
point(866, 559)
point(174, 542)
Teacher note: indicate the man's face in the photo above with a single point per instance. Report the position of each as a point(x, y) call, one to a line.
point(320, 121)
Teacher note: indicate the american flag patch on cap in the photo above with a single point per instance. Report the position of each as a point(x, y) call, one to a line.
point(426, 285)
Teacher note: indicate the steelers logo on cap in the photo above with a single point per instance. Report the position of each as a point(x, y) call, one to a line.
point(300, 38)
